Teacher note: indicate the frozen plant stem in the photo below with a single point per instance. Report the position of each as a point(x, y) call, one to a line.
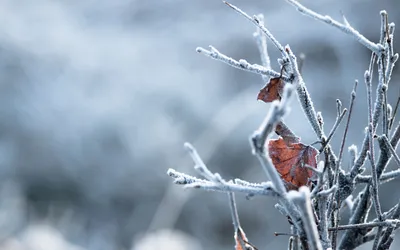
point(346, 28)
point(260, 25)
point(336, 197)
point(303, 199)
point(371, 156)
point(241, 64)
point(339, 119)
point(251, 189)
point(391, 57)
point(303, 95)
point(392, 119)
point(376, 113)
point(389, 176)
point(235, 218)
point(323, 222)
point(387, 223)
point(394, 154)
point(234, 213)
point(261, 40)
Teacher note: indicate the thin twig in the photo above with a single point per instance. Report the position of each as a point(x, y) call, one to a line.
point(200, 166)
point(225, 187)
point(377, 110)
point(285, 234)
point(346, 28)
point(261, 40)
point(384, 27)
point(304, 97)
point(320, 120)
point(375, 191)
point(391, 57)
point(336, 196)
point(375, 184)
point(327, 192)
point(394, 154)
point(385, 158)
point(385, 120)
point(394, 112)
point(371, 152)
point(389, 176)
point(261, 26)
point(234, 212)
point(303, 199)
point(235, 216)
point(241, 64)
point(339, 119)
point(338, 107)
point(387, 223)
point(352, 99)
point(323, 222)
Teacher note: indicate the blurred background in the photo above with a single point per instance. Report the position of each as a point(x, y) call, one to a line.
point(98, 97)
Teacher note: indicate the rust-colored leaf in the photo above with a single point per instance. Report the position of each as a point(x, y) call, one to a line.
point(240, 237)
point(290, 161)
point(272, 91)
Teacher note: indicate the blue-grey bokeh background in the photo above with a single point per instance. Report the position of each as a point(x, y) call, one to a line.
point(98, 97)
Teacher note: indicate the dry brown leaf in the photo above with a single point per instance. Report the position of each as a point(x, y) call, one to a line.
point(272, 91)
point(290, 161)
point(240, 236)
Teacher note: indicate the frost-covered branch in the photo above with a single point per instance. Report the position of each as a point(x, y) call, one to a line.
point(224, 187)
point(338, 169)
point(391, 57)
point(394, 154)
point(387, 223)
point(235, 217)
point(303, 199)
point(261, 40)
point(304, 97)
point(386, 177)
point(346, 27)
point(261, 26)
point(338, 120)
point(241, 64)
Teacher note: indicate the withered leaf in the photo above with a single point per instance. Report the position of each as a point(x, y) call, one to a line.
point(272, 91)
point(291, 160)
point(240, 237)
